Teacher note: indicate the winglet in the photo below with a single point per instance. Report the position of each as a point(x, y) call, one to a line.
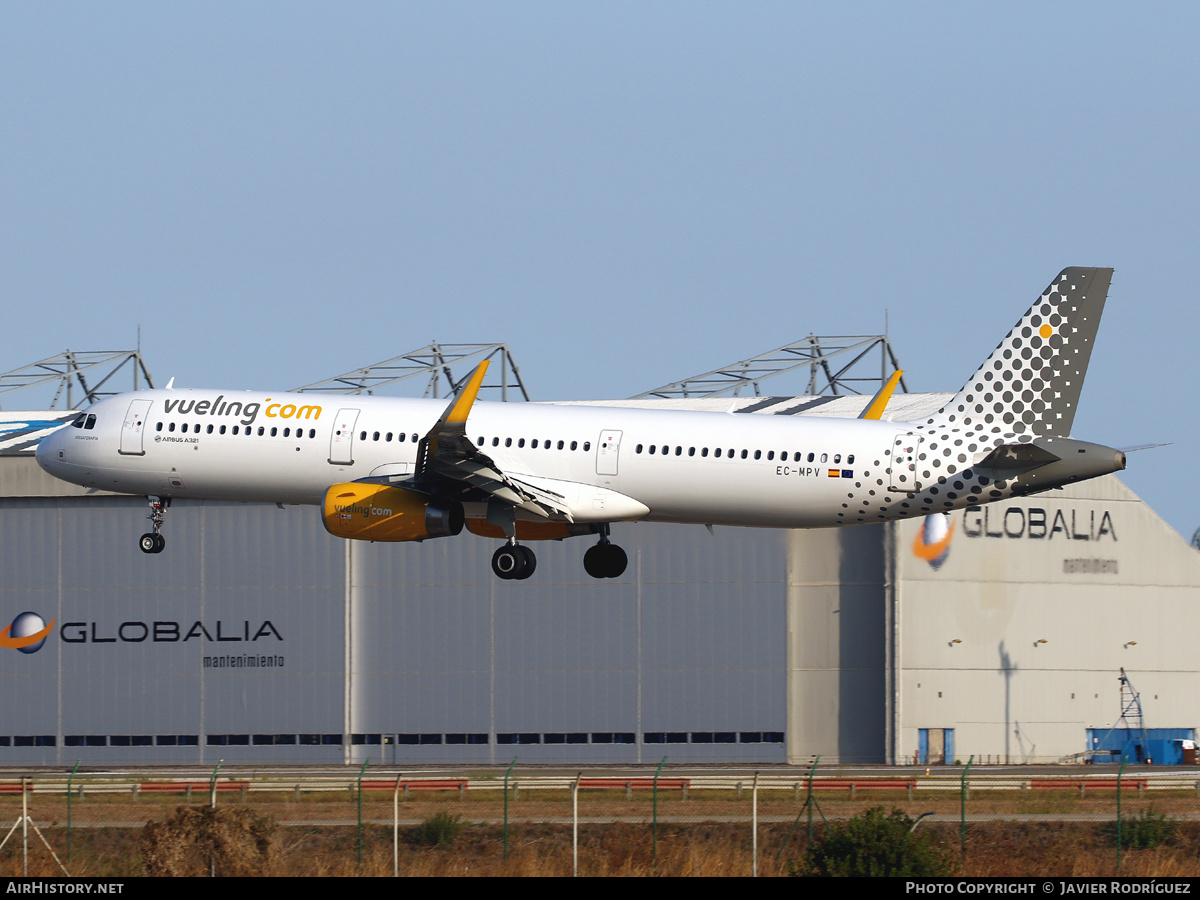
point(876, 407)
point(454, 420)
point(466, 396)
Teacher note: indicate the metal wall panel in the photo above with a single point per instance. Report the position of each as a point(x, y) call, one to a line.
point(421, 639)
point(442, 646)
point(133, 632)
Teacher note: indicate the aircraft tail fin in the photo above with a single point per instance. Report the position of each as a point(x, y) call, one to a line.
point(1030, 384)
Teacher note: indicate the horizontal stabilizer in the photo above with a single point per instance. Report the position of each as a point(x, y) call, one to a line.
point(1009, 460)
point(1144, 447)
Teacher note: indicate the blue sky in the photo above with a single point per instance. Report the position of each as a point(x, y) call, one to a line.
point(626, 193)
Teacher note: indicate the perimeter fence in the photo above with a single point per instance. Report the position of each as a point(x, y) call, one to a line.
point(523, 822)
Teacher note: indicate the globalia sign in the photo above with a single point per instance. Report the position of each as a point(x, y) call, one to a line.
point(27, 633)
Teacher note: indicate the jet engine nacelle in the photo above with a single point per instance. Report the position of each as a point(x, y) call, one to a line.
point(378, 512)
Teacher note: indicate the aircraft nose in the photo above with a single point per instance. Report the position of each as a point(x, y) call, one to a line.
point(47, 450)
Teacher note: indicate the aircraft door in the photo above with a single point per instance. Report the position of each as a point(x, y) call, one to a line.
point(903, 473)
point(341, 441)
point(133, 427)
point(608, 448)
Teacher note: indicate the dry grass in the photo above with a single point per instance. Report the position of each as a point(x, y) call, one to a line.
point(620, 848)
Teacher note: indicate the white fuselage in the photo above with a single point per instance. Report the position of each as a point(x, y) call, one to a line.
point(709, 468)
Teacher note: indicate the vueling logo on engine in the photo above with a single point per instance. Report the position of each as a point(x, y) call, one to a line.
point(366, 511)
point(248, 411)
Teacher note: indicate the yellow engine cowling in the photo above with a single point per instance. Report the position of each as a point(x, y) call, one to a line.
point(378, 512)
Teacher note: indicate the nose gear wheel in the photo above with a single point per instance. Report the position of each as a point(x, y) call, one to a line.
point(153, 541)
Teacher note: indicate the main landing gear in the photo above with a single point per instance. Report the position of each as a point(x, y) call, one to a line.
point(605, 559)
point(513, 562)
point(516, 562)
point(153, 541)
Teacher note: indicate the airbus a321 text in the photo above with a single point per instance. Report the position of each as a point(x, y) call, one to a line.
point(384, 469)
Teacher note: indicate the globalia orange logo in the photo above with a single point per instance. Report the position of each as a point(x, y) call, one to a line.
point(932, 542)
point(26, 633)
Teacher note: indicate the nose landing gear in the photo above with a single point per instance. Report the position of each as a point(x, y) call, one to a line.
point(513, 562)
point(153, 541)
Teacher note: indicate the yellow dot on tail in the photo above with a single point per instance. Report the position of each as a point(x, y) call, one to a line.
point(1046, 331)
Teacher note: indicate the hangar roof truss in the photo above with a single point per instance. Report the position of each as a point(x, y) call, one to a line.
point(84, 376)
point(433, 364)
point(836, 364)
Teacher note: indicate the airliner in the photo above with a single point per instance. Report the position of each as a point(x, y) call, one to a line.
point(387, 469)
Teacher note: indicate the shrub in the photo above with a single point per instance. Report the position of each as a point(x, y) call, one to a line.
point(197, 840)
point(439, 830)
point(1147, 831)
point(874, 844)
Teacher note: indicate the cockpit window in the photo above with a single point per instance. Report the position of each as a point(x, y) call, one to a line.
point(79, 420)
point(91, 422)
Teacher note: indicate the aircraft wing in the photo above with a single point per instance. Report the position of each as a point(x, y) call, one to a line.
point(447, 454)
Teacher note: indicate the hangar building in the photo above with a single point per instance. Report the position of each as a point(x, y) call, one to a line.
point(258, 637)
